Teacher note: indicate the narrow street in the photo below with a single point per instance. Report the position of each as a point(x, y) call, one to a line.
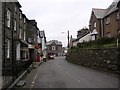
point(58, 73)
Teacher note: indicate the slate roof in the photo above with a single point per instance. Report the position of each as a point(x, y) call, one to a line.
point(99, 13)
point(113, 7)
point(54, 41)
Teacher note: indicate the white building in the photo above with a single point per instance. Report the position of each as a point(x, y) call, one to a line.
point(42, 40)
point(84, 35)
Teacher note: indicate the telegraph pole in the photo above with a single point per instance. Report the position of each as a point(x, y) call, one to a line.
point(68, 38)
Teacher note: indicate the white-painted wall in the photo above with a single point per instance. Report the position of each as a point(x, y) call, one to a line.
point(86, 38)
point(75, 43)
point(43, 44)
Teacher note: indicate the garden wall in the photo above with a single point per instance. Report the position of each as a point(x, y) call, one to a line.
point(107, 59)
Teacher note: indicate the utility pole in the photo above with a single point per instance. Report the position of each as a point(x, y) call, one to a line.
point(68, 38)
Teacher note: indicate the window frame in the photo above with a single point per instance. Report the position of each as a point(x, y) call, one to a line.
point(8, 18)
point(53, 48)
point(24, 37)
point(20, 33)
point(8, 48)
point(95, 24)
point(117, 16)
point(107, 20)
point(15, 25)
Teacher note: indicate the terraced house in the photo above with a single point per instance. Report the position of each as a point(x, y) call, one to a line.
point(18, 38)
point(105, 22)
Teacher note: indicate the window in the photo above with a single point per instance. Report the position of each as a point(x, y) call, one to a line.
point(108, 35)
point(24, 20)
point(20, 33)
point(24, 35)
point(25, 55)
point(53, 48)
point(20, 15)
point(94, 24)
point(18, 51)
point(15, 25)
point(108, 20)
point(15, 8)
point(118, 31)
point(118, 15)
point(8, 48)
point(8, 17)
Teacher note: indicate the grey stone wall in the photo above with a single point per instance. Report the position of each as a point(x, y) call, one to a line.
point(0, 45)
point(102, 59)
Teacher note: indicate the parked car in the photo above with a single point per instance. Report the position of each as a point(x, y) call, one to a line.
point(51, 57)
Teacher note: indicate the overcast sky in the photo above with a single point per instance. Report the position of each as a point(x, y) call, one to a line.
point(57, 16)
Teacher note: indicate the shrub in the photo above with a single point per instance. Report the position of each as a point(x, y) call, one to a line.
point(98, 43)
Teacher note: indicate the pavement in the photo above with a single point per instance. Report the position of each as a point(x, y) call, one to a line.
point(21, 80)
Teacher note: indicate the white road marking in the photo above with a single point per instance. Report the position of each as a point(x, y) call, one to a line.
point(34, 81)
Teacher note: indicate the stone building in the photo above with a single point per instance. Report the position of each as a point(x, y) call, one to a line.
point(105, 22)
point(54, 47)
point(96, 23)
point(111, 19)
point(32, 33)
point(10, 22)
point(18, 38)
point(118, 5)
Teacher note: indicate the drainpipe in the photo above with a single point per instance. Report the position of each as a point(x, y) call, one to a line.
point(12, 21)
point(3, 8)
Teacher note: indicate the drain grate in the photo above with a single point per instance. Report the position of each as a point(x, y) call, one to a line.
point(21, 83)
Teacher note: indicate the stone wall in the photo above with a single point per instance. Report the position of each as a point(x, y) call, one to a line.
point(102, 59)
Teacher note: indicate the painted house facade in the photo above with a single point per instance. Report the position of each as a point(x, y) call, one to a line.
point(83, 35)
point(42, 40)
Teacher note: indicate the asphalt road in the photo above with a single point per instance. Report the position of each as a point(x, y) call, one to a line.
point(58, 73)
